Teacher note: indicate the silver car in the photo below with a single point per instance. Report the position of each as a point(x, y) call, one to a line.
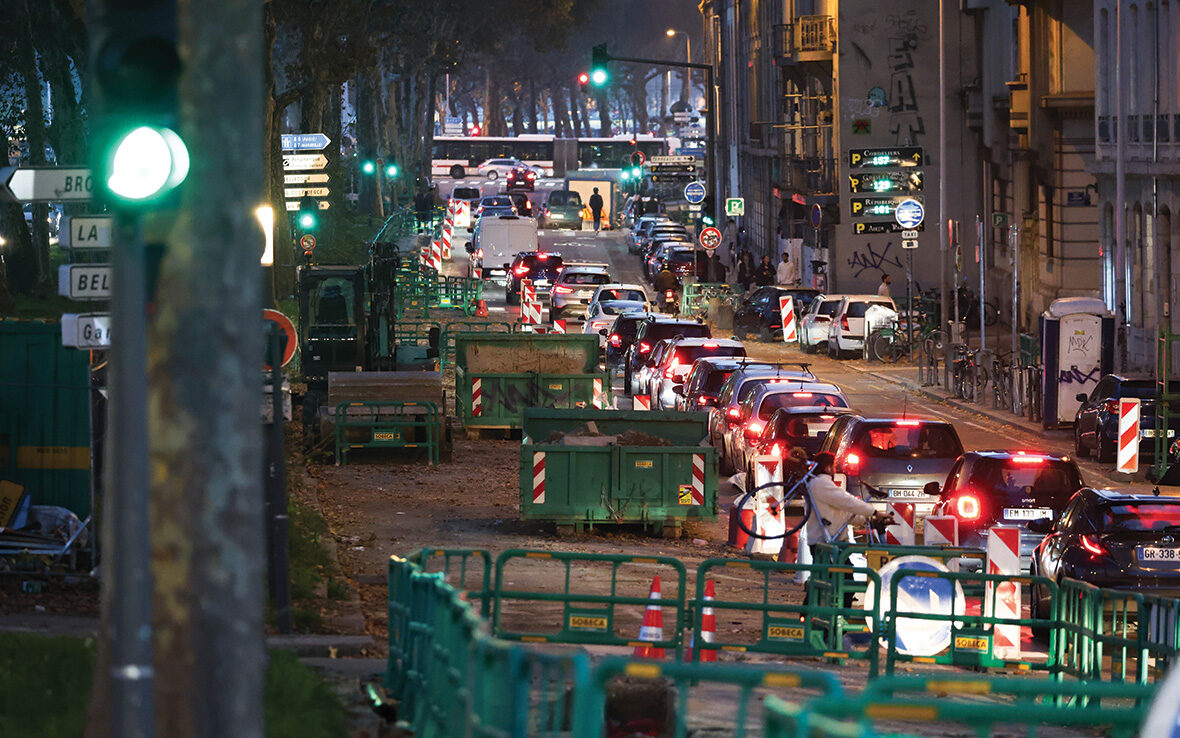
point(574, 287)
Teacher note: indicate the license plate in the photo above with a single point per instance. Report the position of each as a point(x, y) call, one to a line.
point(1150, 433)
point(906, 494)
point(1156, 553)
point(1027, 513)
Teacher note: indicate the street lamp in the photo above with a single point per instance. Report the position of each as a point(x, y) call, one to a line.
point(671, 33)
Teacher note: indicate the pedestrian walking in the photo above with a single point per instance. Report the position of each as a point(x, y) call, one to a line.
point(883, 290)
point(596, 209)
point(786, 274)
point(714, 269)
point(764, 274)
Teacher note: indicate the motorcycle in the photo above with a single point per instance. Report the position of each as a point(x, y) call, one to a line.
point(670, 302)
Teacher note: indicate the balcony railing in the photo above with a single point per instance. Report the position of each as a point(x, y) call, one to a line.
point(809, 38)
point(809, 175)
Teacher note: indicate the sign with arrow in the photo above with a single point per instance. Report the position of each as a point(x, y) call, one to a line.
point(304, 162)
point(904, 156)
point(45, 184)
point(293, 205)
point(305, 191)
point(298, 179)
point(304, 141)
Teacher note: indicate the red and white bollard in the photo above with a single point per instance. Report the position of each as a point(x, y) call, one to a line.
point(1127, 460)
point(901, 533)
point(1002, 599)
point(786, 310)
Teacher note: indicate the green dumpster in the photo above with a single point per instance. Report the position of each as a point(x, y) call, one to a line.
point(614, 471)
point(498, 375)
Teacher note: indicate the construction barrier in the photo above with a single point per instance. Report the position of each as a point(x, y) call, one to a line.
point(459, 570)
point(386, 424)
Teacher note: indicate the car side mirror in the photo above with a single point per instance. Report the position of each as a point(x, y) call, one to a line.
point(470, 248)
point(1081, 397)
point(1040, 525)
point(931, 489)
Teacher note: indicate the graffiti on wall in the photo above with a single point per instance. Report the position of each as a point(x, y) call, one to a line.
point(905, 118)
point(871, 258)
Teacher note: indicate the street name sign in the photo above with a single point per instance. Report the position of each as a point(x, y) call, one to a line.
point(673, 159)
point(86, 330)
point(86, 231)
point(673, 168)
point(695, 192)
point(45, 184)
point(302, 162)
point(304, 141)
point(904, 156)
point(292, 205)
point(84, 281)
point(735, 206)
point(298, 179)
point(909, 214)
point(306, 192)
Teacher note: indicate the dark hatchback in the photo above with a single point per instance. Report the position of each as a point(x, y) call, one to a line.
point(759, 315)
point(796, 427)
point(650, 332)
point(541, 267)
point(1096, 424)
point(622, 335)
point(1112, 540)
point(1011, 488)
point(703, 384)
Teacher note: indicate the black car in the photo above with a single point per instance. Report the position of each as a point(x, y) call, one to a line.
point(650, 332)
point(520, 178)
point(1096, 425)
point(1111, 540)
point(703, 384)
point(622, 335)
point(539, 266)
point(796, 427)
point(1013, 488)
point(524, 206)
point(759, 314)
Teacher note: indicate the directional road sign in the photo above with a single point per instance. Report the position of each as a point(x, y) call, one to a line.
point(888, 226)
point(84, 281)
point(909, 214)
point(298, 179)
point(304, 141)
point(710, 238)
point(904, 156)
point(673, 168)
point(45, 184)
point(735, 206)
point(885, 182)
point(293, 205)
point(86, 330)
point(305, 191)
point(85, 231)
point(695, 192)
point(303, 162)
point(673, 159)
point(881, 205)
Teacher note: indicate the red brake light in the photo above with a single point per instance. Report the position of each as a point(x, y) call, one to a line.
point(967, 507)
point(734, 413)
point(801, 394)
point(1091, 544)
point(563, 290)
point(776, 449)
point(1111, 406)
point(543, 257)
point(644, 347)
point(753, 429)
point(479, 253)
point(908, 423)
point(851, 463)
point(521, 270)
point(667, 293)
point(1021, 459)
point(616, 340)
point(703, 400)
point(844, 323)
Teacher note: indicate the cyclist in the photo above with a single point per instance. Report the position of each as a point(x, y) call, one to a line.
point(833, 508)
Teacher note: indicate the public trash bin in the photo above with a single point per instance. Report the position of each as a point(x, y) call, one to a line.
point(1077, 349)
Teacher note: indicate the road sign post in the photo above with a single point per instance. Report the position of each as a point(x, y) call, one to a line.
point(86, 330)
point(85, 232)
point(45, 184)
point(695, 192)
point(84, 281)
point(909, 215)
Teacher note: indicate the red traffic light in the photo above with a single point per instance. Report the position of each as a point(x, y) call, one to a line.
point(474, 130)
point(584, 78)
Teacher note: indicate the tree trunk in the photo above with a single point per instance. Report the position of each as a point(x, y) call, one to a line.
point(639, 100)
point(312, 108)
point(576, 115)
point(336, 170)
point(603, 104)
point(35, 131)
point(517, 119)
point(367, 101)
point(532, 106)
point(561, 118)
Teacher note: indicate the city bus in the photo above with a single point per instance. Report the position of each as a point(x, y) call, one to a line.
point(459, 156)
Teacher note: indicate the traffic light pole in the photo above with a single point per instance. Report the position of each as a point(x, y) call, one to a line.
point(710, 121)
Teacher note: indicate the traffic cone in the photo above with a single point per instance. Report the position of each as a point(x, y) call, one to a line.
point(481, 309)
point(652, 629)
point(708, 628)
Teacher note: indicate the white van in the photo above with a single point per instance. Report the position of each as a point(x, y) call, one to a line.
point(496, 240)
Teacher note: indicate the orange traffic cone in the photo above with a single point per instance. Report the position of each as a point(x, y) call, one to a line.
point(708, 628)
point(652, 629)
point(481, 309)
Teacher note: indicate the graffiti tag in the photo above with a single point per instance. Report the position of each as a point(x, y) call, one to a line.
point(905, 120)
point(1079, 344)
point(1077, 376)
point(871, 259)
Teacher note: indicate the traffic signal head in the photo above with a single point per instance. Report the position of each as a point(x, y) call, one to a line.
point(391, 171)
point(583, 80)
point(368, 167)
point(307, 221)
point(626, 174)
point(598, 61)
point(308, 217)
point(138, 155)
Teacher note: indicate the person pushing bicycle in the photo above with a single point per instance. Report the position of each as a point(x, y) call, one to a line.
point(833, 509)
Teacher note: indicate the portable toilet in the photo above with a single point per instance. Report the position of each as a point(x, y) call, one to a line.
point(1077, 349)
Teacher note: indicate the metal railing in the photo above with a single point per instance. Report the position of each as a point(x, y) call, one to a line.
point(809, 33)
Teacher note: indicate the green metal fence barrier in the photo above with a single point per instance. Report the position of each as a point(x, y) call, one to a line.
point(458, 569)
point(684, 677)
point(387, 424)
point(697, 294)
point(586, 616)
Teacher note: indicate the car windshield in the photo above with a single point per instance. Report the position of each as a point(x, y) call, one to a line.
point(584, 278)
point(1050, 481)
point(858, 309)
point(802, 425)
point(622, 293)
point(1138, 517)
point(910, 441)
point(565, 198)
point(774, 401)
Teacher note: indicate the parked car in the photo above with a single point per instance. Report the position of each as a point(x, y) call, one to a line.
point(703, 384)
point(803, 427)
point(622, 335)
point(728, 410)
point(676, 363)
point(540, 267)
point(520, 178)
point(1111, 540)
point(1013, 488)
point(846, 332)
point(641, 228)
point(649, 332)
point(574, 287)
point(759, 313)
point(1096, 424)
point(758, 407)
point(562, 209)
point(813, 326)
point(893, 458)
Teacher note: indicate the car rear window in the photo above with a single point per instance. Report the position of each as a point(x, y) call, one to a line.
point(713, 380)
point(660, 331)
point(626, 327)
point(858, 309)
point(622, 294)
point(465, 193)
point(501, 201)
point(1050, 481)
point(916, 441)
point(614, 308)
point(803, 425)
point(562, 199)
point(584, 278)
point(828, 308)
point(681, 257)
point(774, 401)
point(1139, 517)
point(547, 264)
point(689, 354)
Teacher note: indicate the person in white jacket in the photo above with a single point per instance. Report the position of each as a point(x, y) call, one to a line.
point(833, 507)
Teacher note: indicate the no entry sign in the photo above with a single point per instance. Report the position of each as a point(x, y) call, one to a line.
point(710, 238)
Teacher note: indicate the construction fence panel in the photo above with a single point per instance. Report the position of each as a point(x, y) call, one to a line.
point(469, 570)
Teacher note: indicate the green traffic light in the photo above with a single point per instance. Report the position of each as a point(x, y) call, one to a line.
point(637, 172)
point(307, 221)
point(707, 220)
point(147, 162)
point(368, 167)
point(598, 77)
point(391, 171)
point(626, 174)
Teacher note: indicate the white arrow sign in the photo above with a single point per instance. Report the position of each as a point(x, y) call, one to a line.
point(303, 141)
point(292, 206)
point(306, 192)
point(298, 179)
point(45, 184)
point(86, 330)
point(84, 281)
point(678, 159)
point(299, 162)
point(86, 231)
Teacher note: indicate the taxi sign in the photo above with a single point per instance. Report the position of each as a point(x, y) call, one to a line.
point(710, 238)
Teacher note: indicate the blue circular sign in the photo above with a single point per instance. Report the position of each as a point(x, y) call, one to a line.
point(694, 192)
point(909, 213)
point(817, 215)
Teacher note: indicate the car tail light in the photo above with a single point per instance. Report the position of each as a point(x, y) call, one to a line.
point(644, 347)
point(1020, 458)
point(776, 325)
point(671, 370)
point(734, 413)
point(479, 254)
point(710, 345)
point(616, 340)
point(521, 270)
point(967, 507)
point(753, 429)
point(844, 323)
point(561, 290)
point(801, 395)
point(704, 399)
point(668, 294)
point(1092, 544)
point(546, 212)
point(908, 423)
point(1111, 406)
point(776, 449)
point(851, 463)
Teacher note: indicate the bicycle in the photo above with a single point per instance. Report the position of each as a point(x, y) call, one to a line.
point(1003, 380)
point(1033, 389)
point(968, 377)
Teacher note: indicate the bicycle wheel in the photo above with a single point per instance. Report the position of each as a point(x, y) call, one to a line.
point(879, 345)
point(935, 342)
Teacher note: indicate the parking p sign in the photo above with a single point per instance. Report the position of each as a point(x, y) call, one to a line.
point(735, 206)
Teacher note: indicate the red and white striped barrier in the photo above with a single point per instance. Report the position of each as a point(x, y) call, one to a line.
point(1128, 456)
point(1003, 599)
point(558, 326)
point(641, 402)
point(462, 213)
point(477, 396)
point(786, 310)
point(901, 533)
point(599, 399)
point(447, 233)
point(538, 477)
point(436, 255)
point(698, 479)
point(530, 312)
point(528, 293)
point(769, 516)
point(940, 530)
